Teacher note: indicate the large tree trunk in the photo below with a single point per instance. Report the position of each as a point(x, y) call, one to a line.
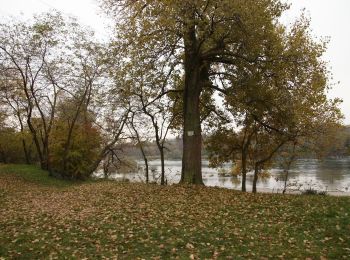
point(192, 136)
point(196, 78)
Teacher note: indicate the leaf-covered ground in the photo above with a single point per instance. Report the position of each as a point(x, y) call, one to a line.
point(42, 217)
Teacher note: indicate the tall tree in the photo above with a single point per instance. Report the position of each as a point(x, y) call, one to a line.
point(206, 37)
point(27, 51)
point(52, 63)
point(141, 87)
point(11, 96)
point(278, 101)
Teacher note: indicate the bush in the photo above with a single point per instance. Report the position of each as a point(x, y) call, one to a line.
point(311, 191)
point(323, 193)
point(83, 150)
point(11, 146)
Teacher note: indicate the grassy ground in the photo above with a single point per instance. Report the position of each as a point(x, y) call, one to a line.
point(42, 217)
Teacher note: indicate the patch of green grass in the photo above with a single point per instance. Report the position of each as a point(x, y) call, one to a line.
point(138, 221)
point(34, 174)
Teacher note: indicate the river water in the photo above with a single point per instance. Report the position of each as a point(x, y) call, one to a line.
point(331, 175)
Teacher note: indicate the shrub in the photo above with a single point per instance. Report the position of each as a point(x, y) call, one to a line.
point(11, 146)
point(83, 150)
point(311, 191)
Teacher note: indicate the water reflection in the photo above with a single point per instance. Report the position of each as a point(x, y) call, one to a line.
point(329, 174)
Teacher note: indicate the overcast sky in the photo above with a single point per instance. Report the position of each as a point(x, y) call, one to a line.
point(328, 18)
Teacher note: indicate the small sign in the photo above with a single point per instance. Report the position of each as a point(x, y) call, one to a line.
point(190, 133)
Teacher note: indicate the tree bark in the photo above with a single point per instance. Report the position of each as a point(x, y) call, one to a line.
point(36, 142)
point(245, 147)
point(25, 150)
point(256, 175)
point(162, 179)
point(289, 163)
point(192, 137)
point(24, 144)
point(244, 170)
point(46, 154)
point(195, 70)
point(146, 168)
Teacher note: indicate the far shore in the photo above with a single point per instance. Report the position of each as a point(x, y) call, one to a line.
point(299, 192)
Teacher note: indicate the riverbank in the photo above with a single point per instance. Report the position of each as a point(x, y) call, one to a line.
point(300, 192)
point(42, 217)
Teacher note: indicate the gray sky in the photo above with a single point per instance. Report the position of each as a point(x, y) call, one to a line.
point(328, 18)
